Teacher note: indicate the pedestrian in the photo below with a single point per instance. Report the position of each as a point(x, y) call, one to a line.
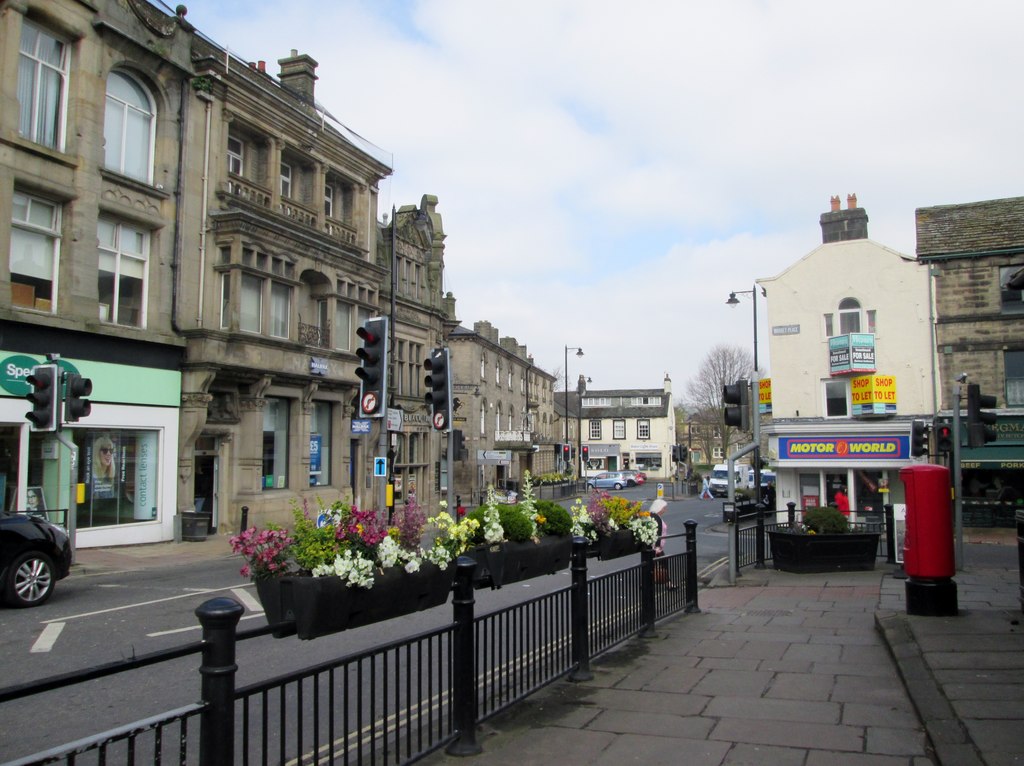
point(661, 573)
point(705, 492)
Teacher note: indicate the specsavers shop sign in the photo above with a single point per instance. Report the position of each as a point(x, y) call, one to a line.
point(845, 448)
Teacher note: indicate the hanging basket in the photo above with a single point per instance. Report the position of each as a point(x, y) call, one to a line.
point(320, 606)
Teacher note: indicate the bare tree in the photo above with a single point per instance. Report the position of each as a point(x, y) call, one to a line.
point(722, 366)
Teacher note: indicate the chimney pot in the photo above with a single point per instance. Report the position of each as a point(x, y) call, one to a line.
point(835, 203)
point(261, 65)
point(851, 201)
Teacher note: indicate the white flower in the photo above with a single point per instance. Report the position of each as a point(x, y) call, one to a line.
point(644, 529)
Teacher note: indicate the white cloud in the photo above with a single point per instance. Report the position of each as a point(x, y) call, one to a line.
point(608, 173)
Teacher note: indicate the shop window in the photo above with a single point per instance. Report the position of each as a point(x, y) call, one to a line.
point(643, 429)
point(837, 399)
point(595, 430)
point(1013, 362)
point(128, 128)
point(320, 445)
point(275, 443)
point(123, 268)
point(120, 472)
point(35, 252)
point(42, 87)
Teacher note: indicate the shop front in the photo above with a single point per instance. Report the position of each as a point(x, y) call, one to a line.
point(602, 457)
point(853, 471)
point(114, 469)
point(993, 477)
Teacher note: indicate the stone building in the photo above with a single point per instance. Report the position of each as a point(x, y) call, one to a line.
point(94, 105)
point(505, 411)
point(975, 255)
point(201, 239)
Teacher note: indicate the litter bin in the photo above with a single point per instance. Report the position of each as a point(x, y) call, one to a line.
point(195, 527)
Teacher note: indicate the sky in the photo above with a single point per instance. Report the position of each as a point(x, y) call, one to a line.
point(608, 172)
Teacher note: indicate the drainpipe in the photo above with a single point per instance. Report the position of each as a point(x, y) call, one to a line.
point(205, 206)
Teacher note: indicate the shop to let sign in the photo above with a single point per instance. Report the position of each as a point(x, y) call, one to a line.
point(873, 395)
point(764, 396)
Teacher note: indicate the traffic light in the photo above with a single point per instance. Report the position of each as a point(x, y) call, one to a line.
point(566, 453)
point(585, 452)
point(75, 406)
point(943, 436)
point(979, 422)
point(439, 397)
point(737, 400)
point(918, 438)
point(373, 374)
point(458, 443)
point(45, 398)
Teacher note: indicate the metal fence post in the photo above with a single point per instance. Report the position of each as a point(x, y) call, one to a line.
point(219, 617)
point(759, 543)
point(464, 662)
point(890, 534)
point(647, 593)
point(691, 567)
point(580, 620)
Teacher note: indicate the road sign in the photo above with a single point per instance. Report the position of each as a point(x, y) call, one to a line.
point(361, 426)
point(394, 419)
point(494, 456)
point(661, 489)
point(380, 466)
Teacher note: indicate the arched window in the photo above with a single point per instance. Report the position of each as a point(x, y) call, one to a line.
point(849, 316)
point(128, 128)
point(483, 417)
point(497, 418)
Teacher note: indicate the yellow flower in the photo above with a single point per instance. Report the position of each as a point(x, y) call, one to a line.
point(540, 519)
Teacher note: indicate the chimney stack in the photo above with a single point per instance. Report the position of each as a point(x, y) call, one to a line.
point(841, 225)
point(298, 74)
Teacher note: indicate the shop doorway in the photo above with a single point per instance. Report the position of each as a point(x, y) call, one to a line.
point(205, 481)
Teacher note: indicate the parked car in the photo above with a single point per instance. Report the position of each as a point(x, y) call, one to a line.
point(34, 554)
point(633, 478)
point(608, 480)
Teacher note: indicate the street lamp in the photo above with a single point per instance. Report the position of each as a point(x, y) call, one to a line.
point(755, 393)
point(579, 353)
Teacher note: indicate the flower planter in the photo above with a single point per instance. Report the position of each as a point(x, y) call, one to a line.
point(801, 553)
point(616, 545)
point(506, 563)
point(320, 606)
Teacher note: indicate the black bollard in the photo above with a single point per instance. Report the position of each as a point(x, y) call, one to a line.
point(464, 662)
point(219, 617)
point(580, 606)
point(791, 512)
point(647, 593)
point(691, 567)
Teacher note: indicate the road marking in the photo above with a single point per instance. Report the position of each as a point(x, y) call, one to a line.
point(48, 637)
point(193, 627)
point(250, 603)
point(141, 603)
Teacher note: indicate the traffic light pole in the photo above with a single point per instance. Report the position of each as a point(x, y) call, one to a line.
point(954, 467)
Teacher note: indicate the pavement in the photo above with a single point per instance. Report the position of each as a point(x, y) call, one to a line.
point(808, 670)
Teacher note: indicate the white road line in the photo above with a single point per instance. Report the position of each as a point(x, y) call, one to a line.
point(48, 637)
point(193, 627)
point(141, 603)
point(250, 603)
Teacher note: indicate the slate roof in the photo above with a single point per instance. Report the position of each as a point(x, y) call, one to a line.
point(973, 228)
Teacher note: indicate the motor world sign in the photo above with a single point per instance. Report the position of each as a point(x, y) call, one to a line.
point(845, 448)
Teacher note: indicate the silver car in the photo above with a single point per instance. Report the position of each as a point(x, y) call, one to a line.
point(608, 480)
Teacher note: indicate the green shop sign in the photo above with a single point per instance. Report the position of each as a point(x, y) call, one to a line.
point(15, 369)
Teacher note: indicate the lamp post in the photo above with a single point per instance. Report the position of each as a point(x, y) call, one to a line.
point(579, 353)
point(755, 405)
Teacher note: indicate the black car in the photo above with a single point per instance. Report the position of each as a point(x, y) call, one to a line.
point(34, 554)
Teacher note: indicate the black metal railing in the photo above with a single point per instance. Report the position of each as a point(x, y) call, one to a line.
point(753, 549)
point(391, 704)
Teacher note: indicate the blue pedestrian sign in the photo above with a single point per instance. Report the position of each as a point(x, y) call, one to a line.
point(380, 466)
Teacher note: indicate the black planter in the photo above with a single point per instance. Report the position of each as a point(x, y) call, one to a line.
point(801, 553)
point(616, 545)
point(320, 606)
point(506, 563)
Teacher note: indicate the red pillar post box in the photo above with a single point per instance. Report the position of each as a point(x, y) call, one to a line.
point(928, 556)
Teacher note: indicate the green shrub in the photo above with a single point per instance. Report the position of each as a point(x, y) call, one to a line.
point(313, 545)
point(557, 520)
point(826, 521)
point(518, 528)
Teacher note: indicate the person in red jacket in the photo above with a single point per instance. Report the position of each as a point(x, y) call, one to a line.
point(842, 501)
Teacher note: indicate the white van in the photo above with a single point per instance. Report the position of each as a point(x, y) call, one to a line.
point(718, 482)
